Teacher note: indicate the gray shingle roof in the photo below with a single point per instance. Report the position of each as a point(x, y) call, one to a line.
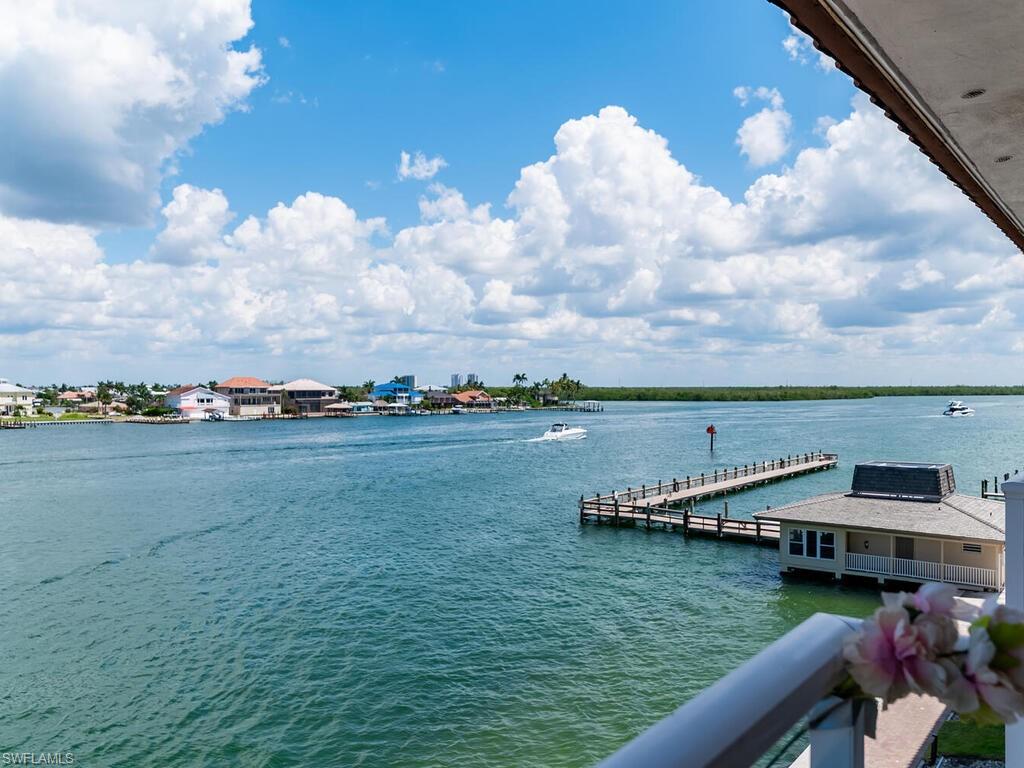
point(956, 516)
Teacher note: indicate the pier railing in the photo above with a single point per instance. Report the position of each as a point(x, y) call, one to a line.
point(718, 476)
point(743, 715)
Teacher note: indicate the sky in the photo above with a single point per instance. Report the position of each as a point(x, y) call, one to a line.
point(665, 193)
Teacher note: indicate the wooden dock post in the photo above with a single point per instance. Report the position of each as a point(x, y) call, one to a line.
point(648, 515)
point(984, 488)
point(686, 521)
point(757, 530)
point(616, 513)
point(675, 485)
point(726, 503)
point(719, 516)
point(581, 508)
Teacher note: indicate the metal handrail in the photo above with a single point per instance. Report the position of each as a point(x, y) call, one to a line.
point(763, 698)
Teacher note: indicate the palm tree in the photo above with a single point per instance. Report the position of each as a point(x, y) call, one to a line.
point(519, 379)
point(368, 385)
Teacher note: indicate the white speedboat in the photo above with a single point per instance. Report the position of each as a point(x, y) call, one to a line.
point(957, 408)
point(562, 431)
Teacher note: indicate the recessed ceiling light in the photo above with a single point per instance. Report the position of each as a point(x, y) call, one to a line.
point(973, 93)
point(1004, 158)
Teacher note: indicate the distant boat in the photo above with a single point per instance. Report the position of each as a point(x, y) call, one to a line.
point(563, 431)
point(957, 408)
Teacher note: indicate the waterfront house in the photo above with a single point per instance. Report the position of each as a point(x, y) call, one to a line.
point(306, 395)
point(473, 398)
point(72, 397)
point(363, 409)
point(197, 403)
point(250, 396)
point(900, 521)
point(441, 399)
point(13, 398)
point(395, 392)
point(547, 397)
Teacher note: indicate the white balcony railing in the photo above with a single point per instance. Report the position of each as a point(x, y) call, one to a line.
point(899, 567)
point(744, 714)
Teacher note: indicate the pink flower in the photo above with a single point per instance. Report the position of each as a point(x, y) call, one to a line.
point(892, 656)
point(933, 598)
point(981, 689)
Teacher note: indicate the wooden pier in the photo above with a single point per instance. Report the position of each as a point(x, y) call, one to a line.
point(670, 505)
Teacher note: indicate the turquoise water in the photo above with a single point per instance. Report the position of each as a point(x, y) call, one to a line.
point(409, 592)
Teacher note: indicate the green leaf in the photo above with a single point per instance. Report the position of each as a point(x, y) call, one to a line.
point(982, 622)
point(1006, 636)
point(1003, 661)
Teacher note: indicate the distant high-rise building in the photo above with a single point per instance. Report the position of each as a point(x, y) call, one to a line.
point(409, 379)
point(456, 380)
point(472, 378)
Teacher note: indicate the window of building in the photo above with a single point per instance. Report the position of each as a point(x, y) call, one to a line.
point(827, 546)
point(820, 545)
point(796, 541)
point(972, 547)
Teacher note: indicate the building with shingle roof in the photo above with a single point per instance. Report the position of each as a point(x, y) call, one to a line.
point(902, 521)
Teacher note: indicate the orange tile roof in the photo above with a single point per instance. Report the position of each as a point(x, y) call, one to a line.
point(180, 390)
point(471, 395)
point(238, 382)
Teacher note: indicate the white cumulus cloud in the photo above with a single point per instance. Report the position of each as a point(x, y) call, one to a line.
point(419, 166)
point(99, 98)
point(764, 136)
point(195, 219)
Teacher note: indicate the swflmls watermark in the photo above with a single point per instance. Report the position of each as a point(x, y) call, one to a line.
point(37, 758)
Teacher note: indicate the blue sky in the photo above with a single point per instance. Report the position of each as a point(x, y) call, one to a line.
point(654, 193)
point(486, 86)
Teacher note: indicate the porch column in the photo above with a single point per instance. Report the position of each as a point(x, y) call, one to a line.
point(1014, 564)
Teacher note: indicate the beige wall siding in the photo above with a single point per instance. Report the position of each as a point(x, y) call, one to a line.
point(878, 543)
point(928, 549)
point(953, 553)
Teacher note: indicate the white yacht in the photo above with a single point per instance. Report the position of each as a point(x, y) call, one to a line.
point(957, 408)
point(562, 431)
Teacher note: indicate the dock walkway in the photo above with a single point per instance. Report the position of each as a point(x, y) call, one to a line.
point(655, 504)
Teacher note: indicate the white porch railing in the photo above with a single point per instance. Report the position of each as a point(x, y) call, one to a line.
point(900, 567)
point(744, 714)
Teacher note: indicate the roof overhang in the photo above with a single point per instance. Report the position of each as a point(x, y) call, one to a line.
point(853, 527)
point(949, 74)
